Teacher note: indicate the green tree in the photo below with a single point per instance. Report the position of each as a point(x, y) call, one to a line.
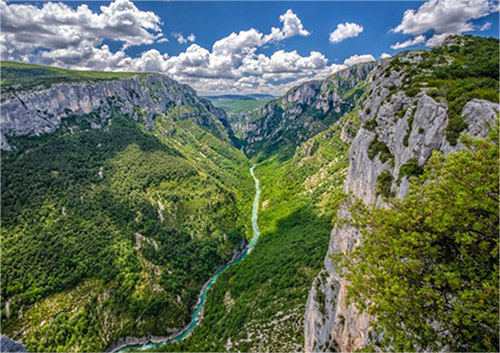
point(428, 267)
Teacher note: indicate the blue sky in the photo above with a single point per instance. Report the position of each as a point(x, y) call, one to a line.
point(309, 40)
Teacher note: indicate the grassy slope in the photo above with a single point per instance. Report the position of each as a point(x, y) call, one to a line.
point(67, 232)
point(28, 76)
point(259, 304)
point(235, 106)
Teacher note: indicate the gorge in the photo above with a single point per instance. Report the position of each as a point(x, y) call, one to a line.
point(130, 203)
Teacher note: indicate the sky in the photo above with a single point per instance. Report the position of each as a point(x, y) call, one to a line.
point(221, 47)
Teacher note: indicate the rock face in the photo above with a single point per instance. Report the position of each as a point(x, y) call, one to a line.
point(35, 112)
point(411, 128)
point(8, 345)
point(305, 110)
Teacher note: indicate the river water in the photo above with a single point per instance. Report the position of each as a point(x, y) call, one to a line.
point(196, 318)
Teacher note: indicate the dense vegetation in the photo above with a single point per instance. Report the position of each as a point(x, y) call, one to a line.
point(428, 268)
point(113, 231)
point(259, 304)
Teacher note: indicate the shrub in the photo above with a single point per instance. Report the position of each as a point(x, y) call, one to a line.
point(412, 91)
point(379, 148)
point(384, 183)
point(370, 125)
point(410, 168)
point(428, 267)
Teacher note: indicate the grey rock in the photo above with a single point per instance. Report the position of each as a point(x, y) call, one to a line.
point(9, 345)
point(340, 327)
point(35, 112)
point(303, 111)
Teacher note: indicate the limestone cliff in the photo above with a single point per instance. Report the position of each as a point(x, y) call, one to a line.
point(39, 111)
point(304, 111)
point(408, 127)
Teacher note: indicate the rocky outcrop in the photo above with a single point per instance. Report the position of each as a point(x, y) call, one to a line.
point(304, 111)
point(35, 112)
point(8, 345)
point(410, 128)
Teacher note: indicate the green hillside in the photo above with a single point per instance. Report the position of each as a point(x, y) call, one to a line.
point(237, 106)
point(112, 232)
point(259, 304)
point(27, 76)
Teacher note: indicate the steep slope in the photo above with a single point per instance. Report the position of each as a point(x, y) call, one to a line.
point(282, 124)
point(417, 104)
point(239, 110)
point(40, 110)
point(120, 197)
point(259, 304)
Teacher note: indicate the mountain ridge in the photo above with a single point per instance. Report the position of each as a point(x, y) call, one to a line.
point(169, 161)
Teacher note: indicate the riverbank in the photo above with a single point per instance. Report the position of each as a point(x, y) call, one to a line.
point(125, 344)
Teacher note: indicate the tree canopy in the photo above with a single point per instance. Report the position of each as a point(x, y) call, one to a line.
point(427, 269)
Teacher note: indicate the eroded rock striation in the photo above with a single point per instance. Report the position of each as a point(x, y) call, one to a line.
point(305, 110)
point(35, 112)
point(407, 129)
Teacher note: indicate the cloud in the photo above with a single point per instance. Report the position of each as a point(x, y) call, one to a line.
point(409, 42)
point(385, 56)
point(292, 26)
point(436, 40)
point(183, 40)
point(356, 59)
point(284, 62)
point(345, 31)
point(444, 16)
point(55, 34)
point(239, 43)
point(56, 26)
point(485, 27)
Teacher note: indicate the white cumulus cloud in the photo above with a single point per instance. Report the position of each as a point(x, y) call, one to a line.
point(56, 26)
point(485, 26)
point(292, 26)
point(385, 56)
point(345, 31)
point(356, 59)
point(409, 42)
point(442, 18)
point(183, 40)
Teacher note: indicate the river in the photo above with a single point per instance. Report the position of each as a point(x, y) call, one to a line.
point(197, 314)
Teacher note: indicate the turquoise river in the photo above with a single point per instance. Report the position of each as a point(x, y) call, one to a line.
point(197, 314)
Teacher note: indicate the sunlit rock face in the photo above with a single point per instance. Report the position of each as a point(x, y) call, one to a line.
point(331, 324)
point(304, 111)
point(39, 111)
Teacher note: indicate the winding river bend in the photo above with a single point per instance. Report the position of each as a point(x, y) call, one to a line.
point(197, 314)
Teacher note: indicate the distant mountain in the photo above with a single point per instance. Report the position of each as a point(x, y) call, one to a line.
point(305, 110)
point(241, 97)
